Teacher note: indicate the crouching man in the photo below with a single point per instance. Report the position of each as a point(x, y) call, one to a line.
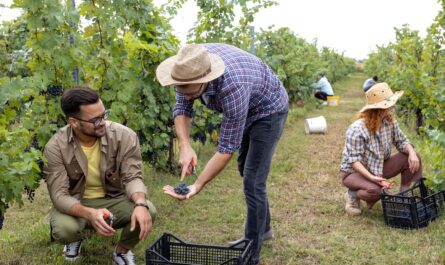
point(94, 178)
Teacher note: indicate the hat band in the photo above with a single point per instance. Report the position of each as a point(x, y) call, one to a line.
point(193, 78)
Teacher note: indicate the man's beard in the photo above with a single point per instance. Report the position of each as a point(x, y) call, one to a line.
point(95, 133)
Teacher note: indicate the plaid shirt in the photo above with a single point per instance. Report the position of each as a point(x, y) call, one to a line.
point(371, 149)
point(247, 91)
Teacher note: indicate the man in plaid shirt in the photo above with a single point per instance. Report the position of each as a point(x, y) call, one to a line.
point(367, 161)
point(254, 105)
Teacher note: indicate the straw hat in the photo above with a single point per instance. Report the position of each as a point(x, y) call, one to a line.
point(192, 65)
point(380, 96)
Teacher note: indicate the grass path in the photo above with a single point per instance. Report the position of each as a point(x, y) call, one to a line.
point(306, 200)
point(308, 203)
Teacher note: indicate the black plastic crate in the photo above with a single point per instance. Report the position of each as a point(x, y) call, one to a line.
point(413, 208)
point(168, 249)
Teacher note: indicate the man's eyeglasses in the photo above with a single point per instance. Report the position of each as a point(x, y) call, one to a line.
point(97, 120)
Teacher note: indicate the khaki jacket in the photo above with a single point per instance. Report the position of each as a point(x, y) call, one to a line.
point(67, 165)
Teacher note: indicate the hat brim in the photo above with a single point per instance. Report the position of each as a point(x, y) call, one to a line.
point(384, 104)
point(163, 72)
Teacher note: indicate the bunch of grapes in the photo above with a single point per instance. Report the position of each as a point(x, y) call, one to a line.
point(200, 136)
point(141, 136)
point(41, 165)
point(182, 189)
point(2, 214)
point(2, 218)
point(211, 127)
point(153, 157)
point(31, 193)
point(55, 90)
point(35, 143)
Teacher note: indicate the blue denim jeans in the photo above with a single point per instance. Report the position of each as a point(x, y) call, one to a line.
point(255, 156)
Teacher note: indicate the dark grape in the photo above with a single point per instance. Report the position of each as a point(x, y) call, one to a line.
point(41, 164)
point(141, 136)
point(210, 128)
point(55, 90)
point(182, 189)
point(202, 137)
point(31, 193)
point(153, 156)
point(35, 143)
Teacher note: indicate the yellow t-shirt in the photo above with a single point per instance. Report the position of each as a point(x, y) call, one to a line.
point(93, 188)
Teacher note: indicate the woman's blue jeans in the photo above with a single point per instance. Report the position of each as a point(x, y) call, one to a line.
point(255, 155)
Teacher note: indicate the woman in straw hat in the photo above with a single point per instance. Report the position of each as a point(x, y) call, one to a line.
point(367, 160)
point(254, 105)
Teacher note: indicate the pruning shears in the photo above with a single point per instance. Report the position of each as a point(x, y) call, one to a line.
point(108, 217)
point(386, 184)
point(191, 170)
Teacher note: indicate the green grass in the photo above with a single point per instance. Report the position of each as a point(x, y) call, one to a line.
point(306, 199)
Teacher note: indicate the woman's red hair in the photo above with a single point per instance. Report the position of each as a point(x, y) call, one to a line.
point(374, 118)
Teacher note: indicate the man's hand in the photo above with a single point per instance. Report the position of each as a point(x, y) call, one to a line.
point(211, 170)
point(97, 220)
point(171, 191)
point(187, 159)
point(142, 216)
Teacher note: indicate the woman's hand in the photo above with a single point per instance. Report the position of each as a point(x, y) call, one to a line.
point(377, 179)
point(413, 162)
point(358, 166)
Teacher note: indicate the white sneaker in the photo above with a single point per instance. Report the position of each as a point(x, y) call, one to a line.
point(71, 251)
point(124, 258)
point(325, 103)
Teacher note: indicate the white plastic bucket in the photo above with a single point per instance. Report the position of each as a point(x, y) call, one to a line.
point(315, 125)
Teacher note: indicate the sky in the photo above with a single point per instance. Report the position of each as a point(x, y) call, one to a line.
point(352, 27)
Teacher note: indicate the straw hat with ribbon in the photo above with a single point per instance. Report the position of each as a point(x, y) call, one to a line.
point(380, 96)
point(192, 65)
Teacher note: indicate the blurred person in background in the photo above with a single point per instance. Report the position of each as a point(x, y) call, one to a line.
point(323, 89)
point(370, 82)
